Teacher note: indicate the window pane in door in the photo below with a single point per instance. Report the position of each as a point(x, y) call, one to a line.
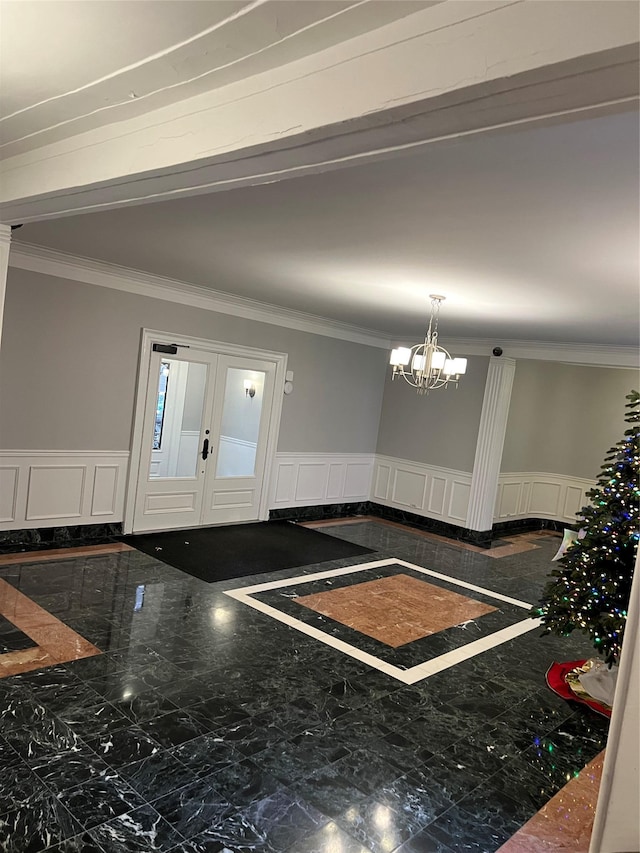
point(178, 421)
point(240, 427)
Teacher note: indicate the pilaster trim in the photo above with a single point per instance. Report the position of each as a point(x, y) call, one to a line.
point(493, 425)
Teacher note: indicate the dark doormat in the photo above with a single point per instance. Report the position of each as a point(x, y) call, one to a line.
point(219, 553)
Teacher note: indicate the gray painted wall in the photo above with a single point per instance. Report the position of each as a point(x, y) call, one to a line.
point(70, 353)
point(563, 418)
point(438, 429)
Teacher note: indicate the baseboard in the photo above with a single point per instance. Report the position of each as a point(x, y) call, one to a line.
point(433, 525)
point(320, 512)
point(44, 538)
point(525, 525)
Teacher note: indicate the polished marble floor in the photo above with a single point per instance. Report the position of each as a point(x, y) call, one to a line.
point(200, 724)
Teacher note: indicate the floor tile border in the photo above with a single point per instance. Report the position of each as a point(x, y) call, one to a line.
point(54, 641)
point(406, 676)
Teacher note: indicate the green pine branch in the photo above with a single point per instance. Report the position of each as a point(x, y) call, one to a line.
point(590, 589)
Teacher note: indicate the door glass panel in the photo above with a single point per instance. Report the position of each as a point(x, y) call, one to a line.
point(178, 419)
point(240, 428)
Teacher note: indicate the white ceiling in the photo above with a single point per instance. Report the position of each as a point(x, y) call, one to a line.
point(531, 234)
point(68, 66)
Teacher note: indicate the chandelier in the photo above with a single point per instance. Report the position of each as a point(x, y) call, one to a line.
point(428, 365)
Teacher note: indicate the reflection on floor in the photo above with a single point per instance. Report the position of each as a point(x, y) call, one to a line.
point(206, 725)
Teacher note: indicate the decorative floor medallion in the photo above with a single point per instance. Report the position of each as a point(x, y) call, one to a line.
point(456, 609)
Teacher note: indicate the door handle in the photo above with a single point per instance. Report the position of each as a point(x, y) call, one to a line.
point(205, 448)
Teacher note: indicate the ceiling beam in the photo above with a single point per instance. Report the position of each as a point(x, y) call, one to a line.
point(452, 69)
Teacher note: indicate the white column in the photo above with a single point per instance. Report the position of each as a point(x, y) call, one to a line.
point(616, 826)
point(493, 425)
point(5, 240)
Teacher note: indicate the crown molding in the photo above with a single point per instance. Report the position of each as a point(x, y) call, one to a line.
point(40, 259)
point(585, 355)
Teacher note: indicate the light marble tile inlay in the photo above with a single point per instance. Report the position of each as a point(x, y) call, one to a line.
point(396, 610)
point(54, 641)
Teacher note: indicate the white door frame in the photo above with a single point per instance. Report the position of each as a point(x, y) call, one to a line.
point(153, 336)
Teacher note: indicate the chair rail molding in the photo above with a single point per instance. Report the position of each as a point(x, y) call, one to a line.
point(56, 488)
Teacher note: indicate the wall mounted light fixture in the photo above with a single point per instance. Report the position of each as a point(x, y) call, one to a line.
point(249, 388)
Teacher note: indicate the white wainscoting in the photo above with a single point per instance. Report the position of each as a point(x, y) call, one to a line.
point(51, 488)
point(426, 490)
point(540, 495)
point(308, 479)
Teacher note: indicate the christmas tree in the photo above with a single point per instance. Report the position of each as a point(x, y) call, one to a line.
point(591, 589)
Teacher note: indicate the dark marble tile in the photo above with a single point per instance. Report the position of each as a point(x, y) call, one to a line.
point(244, 703)
point(195, 808)
point(64, 770)
point(99, 800)
point(174, 728)
point(93, 720)
point(331, 790)
point(205, 754)
point(376, 826)
point(139, 706)
point(124, 746)
point(417, 795)
point(496, 809)
point(12, 639)
point(243, 783)
point(424, 842)
point(217, 712)
point(328, 839)
point(284, 820)
point(250, 737)
point(82, 843)
point(301, 756)
point(462, 831)
point(67, 699)
point(140, 830)
point(39, 825)
point(43, 738)
point(233, 835)
point(19, 786)
point(19, 708)
point(157, 775)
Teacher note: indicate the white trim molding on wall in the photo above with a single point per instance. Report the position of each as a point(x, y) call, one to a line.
point(427, 490)
point(313, 479)
point(58, 488)
point(51, 262)
point(540, 495)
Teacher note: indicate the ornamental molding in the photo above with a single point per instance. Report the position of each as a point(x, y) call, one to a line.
point(51, 262)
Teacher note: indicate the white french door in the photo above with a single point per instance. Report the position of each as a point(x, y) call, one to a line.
point(205, 436)
point(245, 390)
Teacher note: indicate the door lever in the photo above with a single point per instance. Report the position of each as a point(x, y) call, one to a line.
point(205, 448)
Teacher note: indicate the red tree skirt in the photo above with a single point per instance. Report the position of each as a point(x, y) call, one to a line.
point(557, 681)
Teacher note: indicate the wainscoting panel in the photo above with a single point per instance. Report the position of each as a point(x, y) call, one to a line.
point(55, 488)
point(426, 490)
point(540, 495)
point(8, 492)
point(312, 479)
